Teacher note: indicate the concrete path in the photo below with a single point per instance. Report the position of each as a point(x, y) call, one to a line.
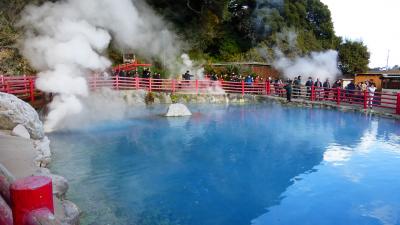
point(17, 155)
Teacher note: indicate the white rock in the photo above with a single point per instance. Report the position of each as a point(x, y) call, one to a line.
point(43, 152)
point(60, 184)
point(21, 131)
point(178, 109)
point(71, 212)
point(14, 111)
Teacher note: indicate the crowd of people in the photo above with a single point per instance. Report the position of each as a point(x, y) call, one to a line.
point(324, 90)
point(145, 73)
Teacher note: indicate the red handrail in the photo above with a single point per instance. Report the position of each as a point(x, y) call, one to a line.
point(24, 87)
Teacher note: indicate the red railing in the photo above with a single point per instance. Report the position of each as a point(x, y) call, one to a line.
point(24, 87)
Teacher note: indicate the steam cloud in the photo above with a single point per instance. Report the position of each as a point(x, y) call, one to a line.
point(67, 40)
point(320, 65)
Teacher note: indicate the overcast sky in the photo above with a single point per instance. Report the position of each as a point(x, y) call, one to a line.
point(376, 23)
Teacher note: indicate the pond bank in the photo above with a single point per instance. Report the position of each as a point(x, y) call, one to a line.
point(25, 151)
point(143, 97)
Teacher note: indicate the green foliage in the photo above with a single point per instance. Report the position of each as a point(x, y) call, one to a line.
point(11, 61)
point(353, 57)
point(224, 30)
point(232, 30)
point(115, 55)
point(174, 98)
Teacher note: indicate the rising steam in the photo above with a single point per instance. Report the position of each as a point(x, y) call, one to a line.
point(320, 65)
point(67, 40)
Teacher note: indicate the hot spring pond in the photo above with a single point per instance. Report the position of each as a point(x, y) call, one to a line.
point(234, 165)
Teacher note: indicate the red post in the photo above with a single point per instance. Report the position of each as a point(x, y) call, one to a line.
point(266, 88)
point(117, 82)
point(7, 87)
point(173, 86)
point(30, 194)
point(32, 90)
point(312, 93)
point(150, 84)
point(5, 213)
point(242, 88)
point(95, 82)
point(137, 83)
point(398, 104)
point(197, 87)
point(338, 96)
point(365, 100)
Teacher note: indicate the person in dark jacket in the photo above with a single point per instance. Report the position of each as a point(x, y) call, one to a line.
point(327, 86)
point(350, 91)
point(297, 86)
point(318, 89)
point(288, 88)
point(309, 85)
point(187, 75)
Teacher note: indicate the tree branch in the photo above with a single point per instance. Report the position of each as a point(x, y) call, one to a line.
point(190, 7)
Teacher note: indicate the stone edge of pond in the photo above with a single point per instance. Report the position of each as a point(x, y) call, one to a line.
point(210, 98)
point(17, 113)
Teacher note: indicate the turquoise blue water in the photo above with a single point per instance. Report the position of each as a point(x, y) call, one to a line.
point(252, 164)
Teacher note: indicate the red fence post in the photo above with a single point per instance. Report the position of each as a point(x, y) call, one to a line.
point(197, 87)
point(3, 83)
point(312, 93)
point(137, 83)
point(173, 85)
point(242, 88)
point(117, 82)
point(398, 104)
point(266, 87)
point(31, 90)
point(95, 82)
point(30, 194)
point(338, 96)
point(365, 99)
point(150, 88)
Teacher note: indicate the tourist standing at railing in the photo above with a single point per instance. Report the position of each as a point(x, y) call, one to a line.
point(364, 86)
point(358, 93)
point(350, 90)
point(336, 85)
point(309, 85)
point(371, 92)
point(248, 80)
point(146, 73)
point(297, 86)
point(327, 86)
point(288, 88)
point(318, 89)
point(278, 87)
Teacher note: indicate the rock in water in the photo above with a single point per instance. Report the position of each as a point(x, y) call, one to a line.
point(14, 111)
point(178, 109)
point(20, 131)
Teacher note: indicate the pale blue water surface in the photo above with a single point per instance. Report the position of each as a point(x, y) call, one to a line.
point(253, 164)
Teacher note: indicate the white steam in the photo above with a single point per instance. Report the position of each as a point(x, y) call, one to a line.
point(67, 40)
point(188, 65)
point(320, 65)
